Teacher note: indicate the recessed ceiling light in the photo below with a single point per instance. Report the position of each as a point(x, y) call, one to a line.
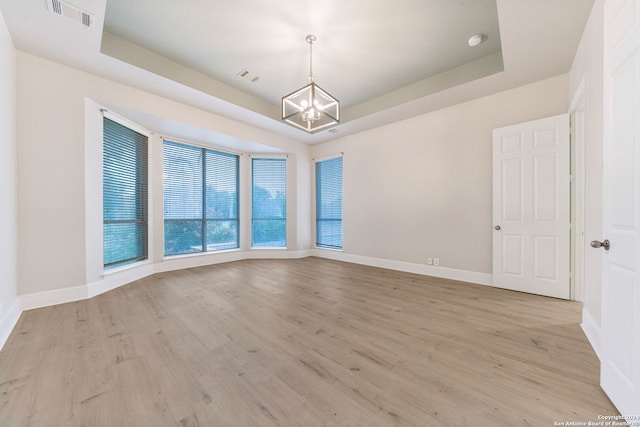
point(476, 39)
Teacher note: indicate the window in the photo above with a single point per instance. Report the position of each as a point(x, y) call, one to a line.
point(124, 192)
point(200, 199)
point(269, 202)
point(329, 203)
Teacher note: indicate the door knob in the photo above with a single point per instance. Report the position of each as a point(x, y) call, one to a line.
point(497, 227)
point(597, 244)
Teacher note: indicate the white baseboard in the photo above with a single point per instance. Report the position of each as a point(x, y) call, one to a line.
point(593, 332)
point(408, 267)
point(9, 321)
point(277, 254)
point(180, 262)
point(116, 279)
point(57, 296)
point(189, 261)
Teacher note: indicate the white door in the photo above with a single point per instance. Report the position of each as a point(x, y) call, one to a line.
point(620, 370)
point(531, 207)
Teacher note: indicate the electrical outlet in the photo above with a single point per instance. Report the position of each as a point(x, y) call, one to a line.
point(430, 261)
point(436, 261)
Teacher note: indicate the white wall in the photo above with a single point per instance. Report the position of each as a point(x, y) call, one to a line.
point(422, 187)
point(588, 66)
point(57, 109)
point(8, 186)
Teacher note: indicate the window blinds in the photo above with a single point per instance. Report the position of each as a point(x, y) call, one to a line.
point(329, 203)
point(221, 200)
point(124, 192)
point(182, 183)
point(200, 199)
point(269, 202)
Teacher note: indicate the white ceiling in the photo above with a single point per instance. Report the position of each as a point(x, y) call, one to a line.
point(384, 60)
point(365, 48)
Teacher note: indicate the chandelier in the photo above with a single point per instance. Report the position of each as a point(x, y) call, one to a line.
point(311, 108)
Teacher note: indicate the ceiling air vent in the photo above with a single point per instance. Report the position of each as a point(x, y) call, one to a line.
point(248, 75)
point(62, 8)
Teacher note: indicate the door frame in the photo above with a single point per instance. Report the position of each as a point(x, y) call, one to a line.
point(578, 115)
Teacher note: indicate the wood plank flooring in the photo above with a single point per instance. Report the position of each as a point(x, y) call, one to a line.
point(308, 342)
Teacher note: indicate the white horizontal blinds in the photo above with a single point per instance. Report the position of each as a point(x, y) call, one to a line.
point(182, 183)
point(200, 199)
point(124, 180)
point(329, 203)
point(269, 202)
point(221, 200)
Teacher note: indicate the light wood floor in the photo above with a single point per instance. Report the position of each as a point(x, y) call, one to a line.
point(305, 342)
